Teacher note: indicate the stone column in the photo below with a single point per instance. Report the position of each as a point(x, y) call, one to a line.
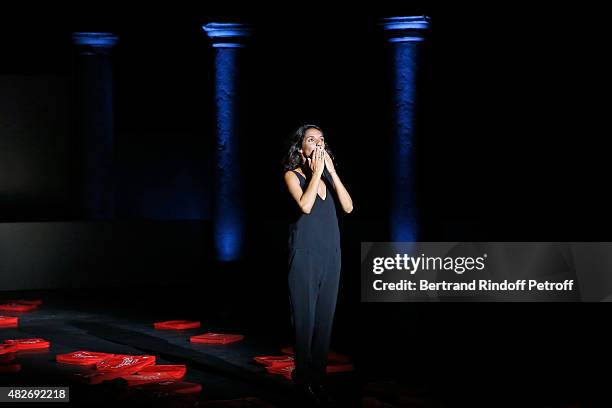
point(94, 110)
point(404, 35)
point(229, 207)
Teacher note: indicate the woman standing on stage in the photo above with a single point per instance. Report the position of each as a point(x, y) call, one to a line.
point(314, 253)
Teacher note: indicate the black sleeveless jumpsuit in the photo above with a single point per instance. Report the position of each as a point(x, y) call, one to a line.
point(314, 274)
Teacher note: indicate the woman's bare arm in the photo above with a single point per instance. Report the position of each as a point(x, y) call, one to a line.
point(305, 199)
point(343, 195)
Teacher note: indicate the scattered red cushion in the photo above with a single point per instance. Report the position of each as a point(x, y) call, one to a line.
point(167, 388)
point(30, 344)
point(216, 338)
point(139, 379)
point(8, 321)
point(178, 371)
point(82, 357)
point(16, 307)
point(284, 370)
point(125, 362)
point(7, 348)
point(119, 365)
point(10, 368)
point(274, 360)
point(176, 325)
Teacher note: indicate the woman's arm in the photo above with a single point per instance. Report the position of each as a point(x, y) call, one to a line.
point(306, 199)
point(343, 195)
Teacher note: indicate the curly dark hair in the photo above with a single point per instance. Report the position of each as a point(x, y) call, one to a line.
point(293, 158)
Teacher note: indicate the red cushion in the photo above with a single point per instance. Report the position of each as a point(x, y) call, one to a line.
point(30, 344)
point(139, 379)
point(125, 362)
point(82, 357)
point(178, 371)
point(7, 348)
point(216, 338)
point(284, 370)
point(274, 360)
point(176, 325)
point(16, 307)
point(8, 321)
point(119, 365)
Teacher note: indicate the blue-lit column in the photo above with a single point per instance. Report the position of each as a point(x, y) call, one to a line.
point(95, 125)
point(229, 207)
point(405, 35)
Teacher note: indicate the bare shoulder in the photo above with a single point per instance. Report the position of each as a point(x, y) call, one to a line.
point(292, 180)
point(290, 174)
point(290, 177)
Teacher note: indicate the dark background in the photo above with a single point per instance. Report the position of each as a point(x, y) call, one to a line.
point(511, 142)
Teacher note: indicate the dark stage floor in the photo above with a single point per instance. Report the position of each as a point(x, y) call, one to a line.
point(102, 322)
point(120, 322)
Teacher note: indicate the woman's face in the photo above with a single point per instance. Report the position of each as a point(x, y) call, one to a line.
point(312, 139)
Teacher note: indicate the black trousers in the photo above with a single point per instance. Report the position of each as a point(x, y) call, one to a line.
point(314, 276)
